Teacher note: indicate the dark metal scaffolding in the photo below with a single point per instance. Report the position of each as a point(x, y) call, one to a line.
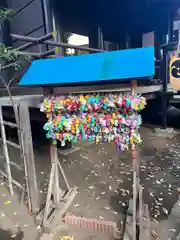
point(45, 40)
point(31, 41)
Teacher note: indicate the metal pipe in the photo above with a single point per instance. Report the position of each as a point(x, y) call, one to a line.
point(165, 75)
point(30, 44)
point(32, 39)
point(56, 44)
point(36, 55)
point(67, 45)
point(25, 46)
point(46, 15)
point(47, 53)
point(164, 92)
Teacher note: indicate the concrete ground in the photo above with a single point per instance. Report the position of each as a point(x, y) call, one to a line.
point(15, 223)
point(104, 177)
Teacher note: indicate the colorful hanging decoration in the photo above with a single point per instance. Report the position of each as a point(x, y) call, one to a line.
point(98, 118)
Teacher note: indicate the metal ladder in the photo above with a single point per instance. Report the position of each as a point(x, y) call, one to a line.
point(26, 153)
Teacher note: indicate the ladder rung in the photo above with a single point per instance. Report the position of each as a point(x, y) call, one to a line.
point(11, 143)
point(10, 124)
point(17, 166)
point(13, 181)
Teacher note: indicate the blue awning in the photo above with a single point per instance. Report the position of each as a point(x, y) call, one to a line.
point(91, 68)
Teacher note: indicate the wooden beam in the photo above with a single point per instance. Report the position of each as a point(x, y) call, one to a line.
point(28, 155)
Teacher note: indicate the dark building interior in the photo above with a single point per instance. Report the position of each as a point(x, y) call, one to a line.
point(119, 21)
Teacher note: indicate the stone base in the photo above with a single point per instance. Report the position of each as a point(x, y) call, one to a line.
point(167, 133)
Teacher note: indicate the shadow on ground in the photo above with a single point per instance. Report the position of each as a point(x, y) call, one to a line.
point(7, 235)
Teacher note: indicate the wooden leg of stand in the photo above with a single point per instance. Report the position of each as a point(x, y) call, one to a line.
point(50, 188)
point(140, 207)
point(56, 187)
point(135, 189)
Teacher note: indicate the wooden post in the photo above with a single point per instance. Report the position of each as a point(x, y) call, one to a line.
point(56, 187)
point(134, 85)
point(28, 155)
point(134, 163)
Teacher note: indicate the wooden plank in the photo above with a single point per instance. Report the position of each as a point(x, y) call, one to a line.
point(28, 156)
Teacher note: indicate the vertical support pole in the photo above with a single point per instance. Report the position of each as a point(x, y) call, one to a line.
point(164, 73)
point(56, 189)
point(53, 188)
point(6, 153)
point(28, 155)
point(96, 38)
point(134, 163)
point(140, 207)
point(134, 85)
point(50, 187)
point(128, 41)
point(164, 92)
point(164, 78)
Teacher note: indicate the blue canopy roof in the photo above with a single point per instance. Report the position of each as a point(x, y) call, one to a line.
point(91, 68)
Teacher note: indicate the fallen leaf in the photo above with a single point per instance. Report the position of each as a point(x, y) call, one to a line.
point(13, 236)
point(158, 182)
point(38, 227)
point(85, 157)
point(154, 234)
point(76, 205)
point(165, 211)
point(172, 229)
point(154, 220)
point(7, 202)
point(107, 208)
point(103, 193)
point(115, 213)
